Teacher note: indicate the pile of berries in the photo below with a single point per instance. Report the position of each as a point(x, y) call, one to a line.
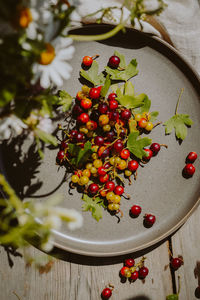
point(134, 271)
point(104, 123)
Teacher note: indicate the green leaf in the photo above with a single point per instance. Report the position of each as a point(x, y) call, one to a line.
point(105, 88)
point(65, 100)
point(136, 145)
point(172, 297)
point(5, 97)
point(153, 115)
point(94, 205)
point(145, 107)
point(132, 125)
point(122, 63)
point(92, 74)
point(126, 97)
point(179, 122)
point(84, 153)
point(124, 75)
point(73, 149)
point(46, 137)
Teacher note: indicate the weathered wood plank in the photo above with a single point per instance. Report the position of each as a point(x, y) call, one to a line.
point(80, 281)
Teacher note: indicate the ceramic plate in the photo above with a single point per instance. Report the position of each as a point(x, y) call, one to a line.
point(160, 188)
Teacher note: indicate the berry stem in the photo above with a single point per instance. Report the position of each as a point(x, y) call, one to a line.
point(97, 37)
point(179, 98)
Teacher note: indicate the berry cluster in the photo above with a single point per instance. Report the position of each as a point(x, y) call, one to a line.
point(189, 168)
point(105, 124)
point(134, 271)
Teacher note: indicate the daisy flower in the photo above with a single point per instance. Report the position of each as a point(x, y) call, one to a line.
point(52, 66)
point(9, 125)
point(28, 19)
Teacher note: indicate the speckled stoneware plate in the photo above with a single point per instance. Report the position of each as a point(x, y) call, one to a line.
point(160, 187)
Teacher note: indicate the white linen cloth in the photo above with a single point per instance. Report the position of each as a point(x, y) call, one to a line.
point(181, 18)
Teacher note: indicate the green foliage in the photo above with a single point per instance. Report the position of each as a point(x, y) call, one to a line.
point(46, 137)
point(125, 74)
point(80, 155)
point(93, 205)
point(92, 74)
point(172, 297)
point(65, 100)
point(179, 122)
point(127, 98)
point(136, 145)
point(105, 88)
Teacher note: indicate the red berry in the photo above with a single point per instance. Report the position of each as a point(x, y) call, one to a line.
point(119, 190)
point(60, 155)
point(134, 276)
point(129, 262)
point(107, 165)
point(114, 61)
point(103, 108)
point(142, 123)
point(99, 140)
point(136, 210)
point(125, 154)
point(155, 147)
point(109, 186)
point(73, 134)
point(118, 146)
point(133, 165)
point(94, 93)
point(192, 156)
point(126, 114)
point(114, 116)
point(110, 136)
point(113, 104)
point(101, 171)
point(189, 169)
point(124, 270)
point(83, 118)
point(149, 220)
point(63, 145)
point(106, 293)
point(112, 96)
point(87, 61)
point(103, 178)
point(105, 153)
point(176, 263)
point(93, 188)
point(80, 137)
point(86, 103)
point(149, 154)
point(143, 272)
point(77, 110)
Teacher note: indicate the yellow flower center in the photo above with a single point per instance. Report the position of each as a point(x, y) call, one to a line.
point(47, 56)
point(25, 17)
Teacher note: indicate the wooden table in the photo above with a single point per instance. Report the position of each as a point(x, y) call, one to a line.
point(83, 278)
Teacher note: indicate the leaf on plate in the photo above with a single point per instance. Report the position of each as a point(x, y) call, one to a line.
point(122, 63)
point(172, 297)
point(153, 115)
point(145, 107)
point(46, 137)
point(126, 73)
point(136, 145)
point(106, 86)
point(179, 122)
point(65, 100)
point(92, 74)
point(127, 98)
point(94, 205)
point(80, 155)
point(132, 125)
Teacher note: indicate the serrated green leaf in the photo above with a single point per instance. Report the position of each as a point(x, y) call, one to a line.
point(153, 116)
point(105, 88)
point(124, 75)
point(94, 205)
point(126, 97)
point(46, 137)
point(145, 107)
point(122, 63)
point(84, 153)
point(92, 74)
point(136, 145)
point(172, 297)
point(65, 100)
point(178, 122)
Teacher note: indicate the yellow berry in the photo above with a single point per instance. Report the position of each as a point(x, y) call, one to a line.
point(117, 199)
point(149, 126)
point(89, 166)
point(103, 120)
point(110, 196)
point(146, 115)
point(122, 165)
point(138, 117)
point(85, 89)
point(94, 155)
point(112, 160)
point(111, 206)
point(128, 173)
point(106, 128)
point(74, 178)
point(93, 170)
point(117, 160)
point(83, 129)
point(97, 163)
point(83, 180)
point(86, 172)
point(95, 148)
point(116, 206)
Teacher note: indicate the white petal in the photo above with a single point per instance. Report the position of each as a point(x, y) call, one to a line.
point(55, 77)
point(44, 80)
point(66, 54)
point(63, 69)
point(6, 134)
point(61, 42)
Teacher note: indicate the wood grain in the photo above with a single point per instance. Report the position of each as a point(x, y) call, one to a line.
point(74, 281)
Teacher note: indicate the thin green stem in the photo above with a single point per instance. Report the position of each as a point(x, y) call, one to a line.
point(97, 37)
point(179, 98)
